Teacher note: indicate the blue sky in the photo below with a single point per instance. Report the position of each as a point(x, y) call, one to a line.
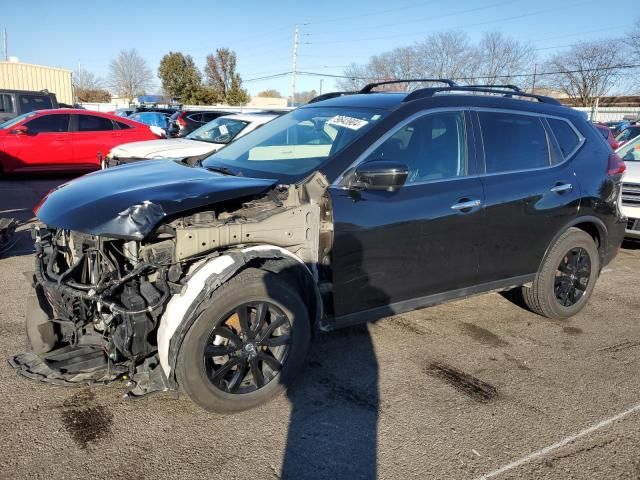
point(332, 33)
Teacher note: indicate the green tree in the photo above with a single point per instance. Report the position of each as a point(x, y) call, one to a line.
point(221, 76)
point(180, 77)
point(270, 93)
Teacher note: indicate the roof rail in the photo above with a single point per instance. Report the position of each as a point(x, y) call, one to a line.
point(509, 86)
point(430, 92)
point(327, 96)
point(370, 86)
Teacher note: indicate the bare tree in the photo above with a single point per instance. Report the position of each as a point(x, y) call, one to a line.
point(85, 80)
point(586, 71)
point(445, 55)
point(357, 77)
point(498, 59)
point(129, 74)
point(633, 41)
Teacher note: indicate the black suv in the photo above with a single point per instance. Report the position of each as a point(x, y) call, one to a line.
point(212, 276)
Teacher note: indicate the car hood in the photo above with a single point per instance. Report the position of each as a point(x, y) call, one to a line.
point(170, 148)
point(130, 200)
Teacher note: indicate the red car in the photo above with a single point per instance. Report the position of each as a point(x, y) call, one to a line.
point(607, 134)
point(64, 139)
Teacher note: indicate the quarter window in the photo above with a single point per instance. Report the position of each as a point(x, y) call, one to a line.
point(433, 147)
point(49, 124)
point(121, 125)
point(513, 142)
point(567, 138)
point(92, 123)
point(6, 103)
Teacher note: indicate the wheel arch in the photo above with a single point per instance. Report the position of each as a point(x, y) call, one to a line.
point(591, 225)
point(209, 275)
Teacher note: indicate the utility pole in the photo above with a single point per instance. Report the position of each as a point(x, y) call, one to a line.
point(293, 67)
point(6, 51)
point(320, 86)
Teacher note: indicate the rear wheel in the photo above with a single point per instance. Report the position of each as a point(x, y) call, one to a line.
point(566, 278)
point(247, 345)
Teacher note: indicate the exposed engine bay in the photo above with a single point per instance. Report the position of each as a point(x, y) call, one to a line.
point(101, 300)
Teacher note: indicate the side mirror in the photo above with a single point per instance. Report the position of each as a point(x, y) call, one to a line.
point(380, 175)
point(20, 130)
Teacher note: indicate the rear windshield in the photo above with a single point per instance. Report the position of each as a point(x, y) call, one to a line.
point(29, 103)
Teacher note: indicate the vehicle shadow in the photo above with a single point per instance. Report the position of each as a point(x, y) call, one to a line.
point(335, 404)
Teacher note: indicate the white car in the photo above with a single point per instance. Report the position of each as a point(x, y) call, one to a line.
point(207, 139)
point(630, 153)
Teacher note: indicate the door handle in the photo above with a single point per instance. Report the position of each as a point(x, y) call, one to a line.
point(562, 187)
point(466, 205)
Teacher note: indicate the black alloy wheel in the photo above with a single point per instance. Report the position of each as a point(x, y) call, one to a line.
point(247, 350)
point(572, 277)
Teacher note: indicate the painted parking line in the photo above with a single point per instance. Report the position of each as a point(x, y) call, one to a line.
point(562, 443)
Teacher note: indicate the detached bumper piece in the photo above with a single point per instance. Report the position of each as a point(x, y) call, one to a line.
point(68, 365)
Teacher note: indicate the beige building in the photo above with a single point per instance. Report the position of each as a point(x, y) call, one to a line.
point(25, 76)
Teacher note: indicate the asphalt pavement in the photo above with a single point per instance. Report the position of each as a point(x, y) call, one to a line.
point(478, 388)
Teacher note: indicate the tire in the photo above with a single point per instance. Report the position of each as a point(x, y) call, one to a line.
point(194, 371)
point(546, 296)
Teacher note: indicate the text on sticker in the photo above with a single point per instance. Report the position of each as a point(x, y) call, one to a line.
point(347, 122)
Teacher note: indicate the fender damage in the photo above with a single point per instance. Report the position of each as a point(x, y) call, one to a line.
point(120, 276)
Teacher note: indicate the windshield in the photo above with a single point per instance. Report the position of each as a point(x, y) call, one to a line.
point(295, 144)
point(220, 130)
point(631, 151)
point(628, 133)
point(15, 120)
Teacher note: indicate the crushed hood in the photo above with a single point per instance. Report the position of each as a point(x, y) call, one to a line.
point(170, 148)
point(129, 201)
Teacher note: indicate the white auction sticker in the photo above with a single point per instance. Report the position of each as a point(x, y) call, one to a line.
point(223, 130)
point(347, 122)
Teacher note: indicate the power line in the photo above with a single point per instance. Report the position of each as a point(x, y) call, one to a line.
point(487, 77)
point(497, 20)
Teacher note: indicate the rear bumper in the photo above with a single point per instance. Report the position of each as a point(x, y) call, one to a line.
point(616, 235)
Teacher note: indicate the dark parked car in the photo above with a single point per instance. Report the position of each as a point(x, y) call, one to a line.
point(19, 102)
point(211, 276)
point(186, 121)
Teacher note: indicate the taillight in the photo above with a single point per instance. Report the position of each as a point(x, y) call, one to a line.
point(615, 165)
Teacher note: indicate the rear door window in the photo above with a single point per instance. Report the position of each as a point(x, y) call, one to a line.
point(6, 103)
point(29, 103)
point(49, 124)
point(92, 123)
point(567, 138)
point(513, 142)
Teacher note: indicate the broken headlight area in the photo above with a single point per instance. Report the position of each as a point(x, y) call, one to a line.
point(100, 301)
point(98, 304)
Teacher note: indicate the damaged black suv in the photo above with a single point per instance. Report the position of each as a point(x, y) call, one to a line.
point(210, 275)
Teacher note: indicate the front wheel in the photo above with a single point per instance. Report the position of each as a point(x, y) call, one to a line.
point(566, 278)
point(247, 344)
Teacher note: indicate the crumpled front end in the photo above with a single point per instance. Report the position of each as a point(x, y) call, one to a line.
point(97, 306)
point(102, 304)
